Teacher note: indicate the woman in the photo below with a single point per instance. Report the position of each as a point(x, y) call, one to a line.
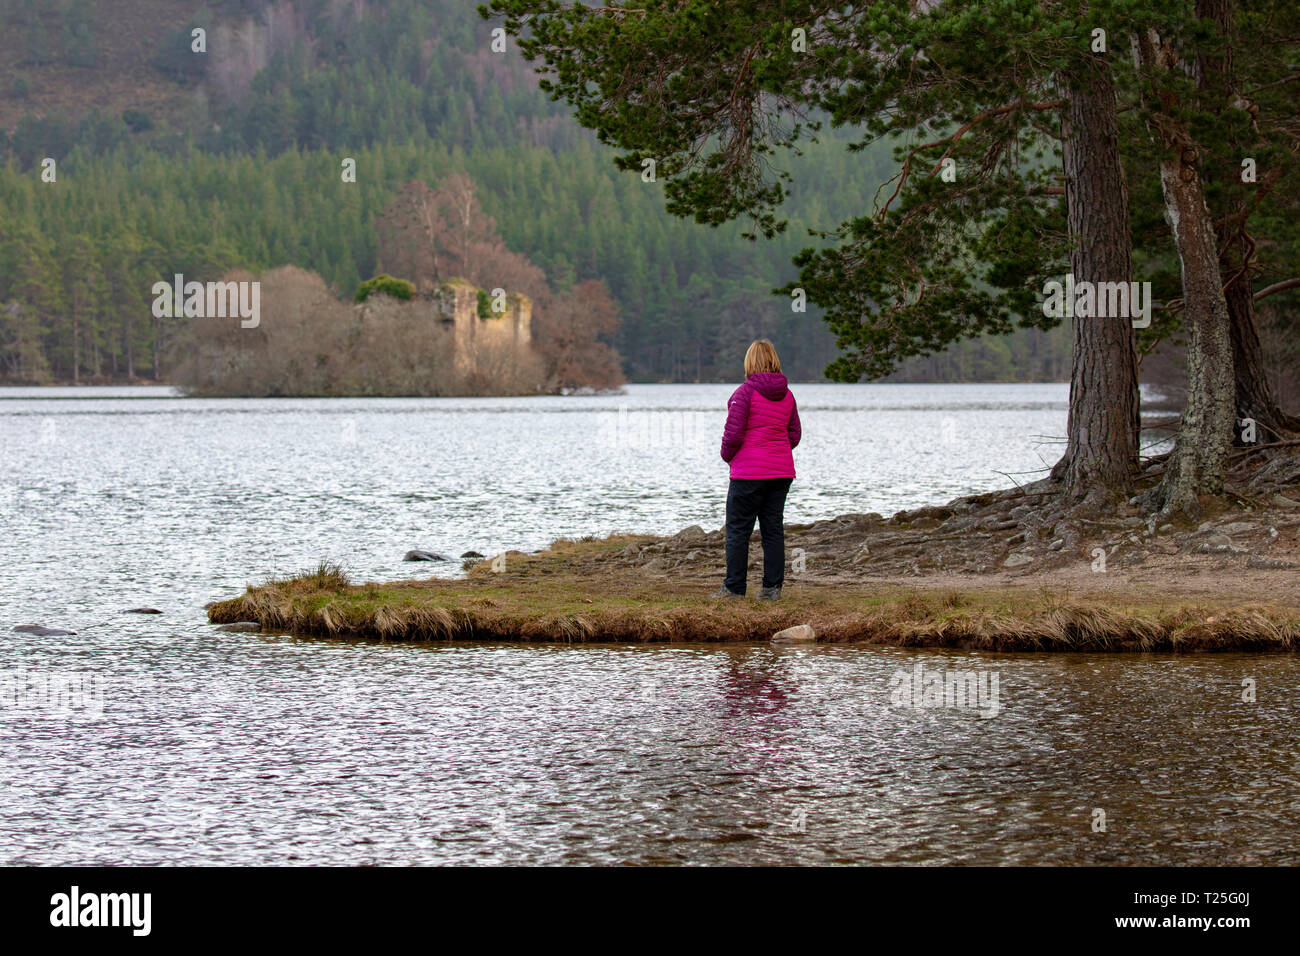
point(762, 431)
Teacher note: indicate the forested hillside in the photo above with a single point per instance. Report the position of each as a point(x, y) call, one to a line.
point(170, 161)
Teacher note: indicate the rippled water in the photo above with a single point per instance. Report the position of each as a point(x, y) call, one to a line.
point(173, 744)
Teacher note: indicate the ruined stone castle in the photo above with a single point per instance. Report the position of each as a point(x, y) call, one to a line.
point(474, 319)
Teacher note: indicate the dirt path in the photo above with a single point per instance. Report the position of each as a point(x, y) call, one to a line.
point(1244, 548)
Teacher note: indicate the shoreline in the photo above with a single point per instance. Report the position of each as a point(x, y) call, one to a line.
point(959, 576)
point(1006, 620)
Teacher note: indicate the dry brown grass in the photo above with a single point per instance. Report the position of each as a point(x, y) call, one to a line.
point(542, 598)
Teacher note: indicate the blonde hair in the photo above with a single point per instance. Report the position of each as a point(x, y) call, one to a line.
point(761, 357)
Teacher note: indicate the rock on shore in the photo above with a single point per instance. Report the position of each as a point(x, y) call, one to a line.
point(800, 633)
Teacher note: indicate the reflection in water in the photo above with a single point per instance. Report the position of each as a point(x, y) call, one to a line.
point(758, 689)
point(238, 748)
point(252, 749)
point(756, 683)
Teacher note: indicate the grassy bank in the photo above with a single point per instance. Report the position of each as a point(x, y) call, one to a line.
point(579, 592)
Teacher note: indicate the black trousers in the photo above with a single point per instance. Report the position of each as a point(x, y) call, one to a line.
point(764, 499)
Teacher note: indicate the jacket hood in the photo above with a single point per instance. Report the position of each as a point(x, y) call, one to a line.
point(771, 385)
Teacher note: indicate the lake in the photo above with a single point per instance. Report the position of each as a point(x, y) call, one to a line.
point(154, 739)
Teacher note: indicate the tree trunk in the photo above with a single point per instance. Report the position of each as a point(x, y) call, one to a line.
point(1102, 433)
point(1216, 77)
point(1254, 394)
point(1199, 460)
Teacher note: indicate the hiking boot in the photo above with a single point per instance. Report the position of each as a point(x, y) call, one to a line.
point(722, 592)
point(770, 594)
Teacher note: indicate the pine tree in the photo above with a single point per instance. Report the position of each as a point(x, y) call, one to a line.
point(711, 93)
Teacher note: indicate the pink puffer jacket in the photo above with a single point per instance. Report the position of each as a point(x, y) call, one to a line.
point(762, 428)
